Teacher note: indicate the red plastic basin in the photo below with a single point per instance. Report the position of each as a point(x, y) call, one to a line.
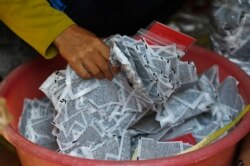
point(25, 80)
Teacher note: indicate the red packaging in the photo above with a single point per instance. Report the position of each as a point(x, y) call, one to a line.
point(187, 138)
point(160, 34)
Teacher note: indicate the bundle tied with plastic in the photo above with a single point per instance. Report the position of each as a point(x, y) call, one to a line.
point(230, 31)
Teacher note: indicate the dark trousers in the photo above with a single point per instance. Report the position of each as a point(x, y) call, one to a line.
point(108, 17)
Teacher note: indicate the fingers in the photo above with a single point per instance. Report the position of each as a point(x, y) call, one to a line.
point(115, 70)
point(93, 68)
point(95, 59)
point(80, 70)
point(104, 50)
point(98, 68)
point(103, 65)
point(85, 52)
point(103, 62)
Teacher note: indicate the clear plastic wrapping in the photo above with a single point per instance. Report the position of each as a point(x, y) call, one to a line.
point(160, 34)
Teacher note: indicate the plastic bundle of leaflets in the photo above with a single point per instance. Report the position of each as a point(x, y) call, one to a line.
point(35, 123)
point(155, 107)
point(223, 105)
point(230, 31)
point(218, 133)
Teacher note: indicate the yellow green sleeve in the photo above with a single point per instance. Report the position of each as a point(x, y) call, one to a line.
point(36, 22)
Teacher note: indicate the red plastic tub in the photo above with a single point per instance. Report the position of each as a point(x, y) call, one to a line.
point(24, 83)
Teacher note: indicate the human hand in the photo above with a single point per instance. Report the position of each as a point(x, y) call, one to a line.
point(85, 53)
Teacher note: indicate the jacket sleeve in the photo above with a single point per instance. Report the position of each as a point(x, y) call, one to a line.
point(36, 22)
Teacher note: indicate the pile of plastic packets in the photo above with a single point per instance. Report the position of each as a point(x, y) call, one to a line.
point(231, 31)
point(155, 107)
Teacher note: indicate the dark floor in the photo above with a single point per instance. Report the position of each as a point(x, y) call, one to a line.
point(13, 51)
point(8, 155)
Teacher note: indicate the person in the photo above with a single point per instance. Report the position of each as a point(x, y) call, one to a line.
point(74, 28)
